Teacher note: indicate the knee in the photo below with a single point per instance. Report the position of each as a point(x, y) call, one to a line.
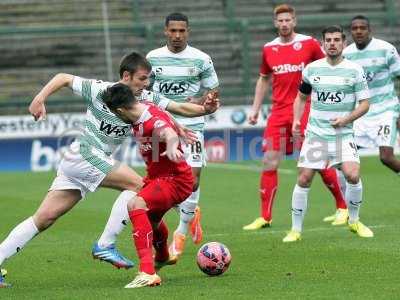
point(44, 219)
point(304, 180)
point(136, 203)
point(352, 177)
point(134, 185)
point(270, 164)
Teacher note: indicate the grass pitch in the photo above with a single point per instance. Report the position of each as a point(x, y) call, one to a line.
point(329, 263)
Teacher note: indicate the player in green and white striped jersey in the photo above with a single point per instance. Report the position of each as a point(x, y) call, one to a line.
point(381, 63)
point(180, 71)
point(88, 162)
point(336, 86)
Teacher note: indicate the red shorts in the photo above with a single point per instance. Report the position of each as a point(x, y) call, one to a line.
point(278, 133)
point(163, 193)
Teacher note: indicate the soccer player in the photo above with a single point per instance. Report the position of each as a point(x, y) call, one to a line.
point(283, 59)
point(381, 63)
point(169, 179)
point(180, 71)
point(339, 95)
point(88, 163)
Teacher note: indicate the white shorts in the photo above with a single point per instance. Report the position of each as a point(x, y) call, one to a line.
point(317, 153)
point(376, 131)
point(82, 169)
point(195, 154)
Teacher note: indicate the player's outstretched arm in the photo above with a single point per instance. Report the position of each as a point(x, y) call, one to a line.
point(171, 138)
point(259, 94)
point(37, 107)
point(360, 110)
point(187, 109)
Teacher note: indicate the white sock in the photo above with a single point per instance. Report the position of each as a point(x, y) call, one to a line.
point(17, 239)
point(299, 207)
point(354, 199)
point(118, 219)
point(186, 211)
point(342, 182)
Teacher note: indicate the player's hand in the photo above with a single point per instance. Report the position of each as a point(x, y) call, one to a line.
point(296, 128)
point(211, 104)
point(253, 118)
point(188, 136)
point(173, 154)
point(338, 122)
point(37, 108)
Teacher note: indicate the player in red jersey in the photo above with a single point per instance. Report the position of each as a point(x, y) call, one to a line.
point(169, 179)
point(284, 59)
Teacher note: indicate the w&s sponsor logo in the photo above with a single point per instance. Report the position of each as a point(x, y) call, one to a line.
point(330, 97)
point(110, 129)
point(173, 87)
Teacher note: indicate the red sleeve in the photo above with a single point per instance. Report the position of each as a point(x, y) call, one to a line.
point(264, 67)
point(318, 52)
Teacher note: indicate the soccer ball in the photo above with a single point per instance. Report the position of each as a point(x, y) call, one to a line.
point(213, 258)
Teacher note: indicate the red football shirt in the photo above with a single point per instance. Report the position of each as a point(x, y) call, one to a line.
point(145, 131)
point(286, 62)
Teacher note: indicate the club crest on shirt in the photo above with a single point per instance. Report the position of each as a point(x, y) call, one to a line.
point(297, 46)
point(191, 71)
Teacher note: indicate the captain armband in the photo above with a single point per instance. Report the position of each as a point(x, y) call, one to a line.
point(305, 88)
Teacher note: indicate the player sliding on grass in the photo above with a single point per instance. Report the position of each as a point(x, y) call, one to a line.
point(339, 95)
point(169, 180)
point(88, 163)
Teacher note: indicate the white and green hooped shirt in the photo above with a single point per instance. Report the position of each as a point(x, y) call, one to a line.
point(381, 63)
point(103, 131)
point(178, 76)
point(335, 93)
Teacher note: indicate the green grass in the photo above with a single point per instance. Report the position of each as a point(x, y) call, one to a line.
point(329, 263)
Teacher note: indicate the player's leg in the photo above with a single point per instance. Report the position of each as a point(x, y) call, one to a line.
point(55, 204)
point(276, 139)
point(188, 217)
point(386, 128)
point(125, 179)
point(151, 203)
point(331, 180)
point(142, 235)
point(189, 210)
point(351, 171)
point(299, 203)
point(387, 157)
point(162, 256)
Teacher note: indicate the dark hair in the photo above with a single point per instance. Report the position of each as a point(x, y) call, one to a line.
point(176, 17)
point(132, 62)
point(333, 29)
point(360, 17)
point(117, 96)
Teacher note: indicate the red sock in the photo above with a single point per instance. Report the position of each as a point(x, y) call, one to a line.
point(268, 187)
point(330, 178)
point(160, 242)
point(142, 235)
